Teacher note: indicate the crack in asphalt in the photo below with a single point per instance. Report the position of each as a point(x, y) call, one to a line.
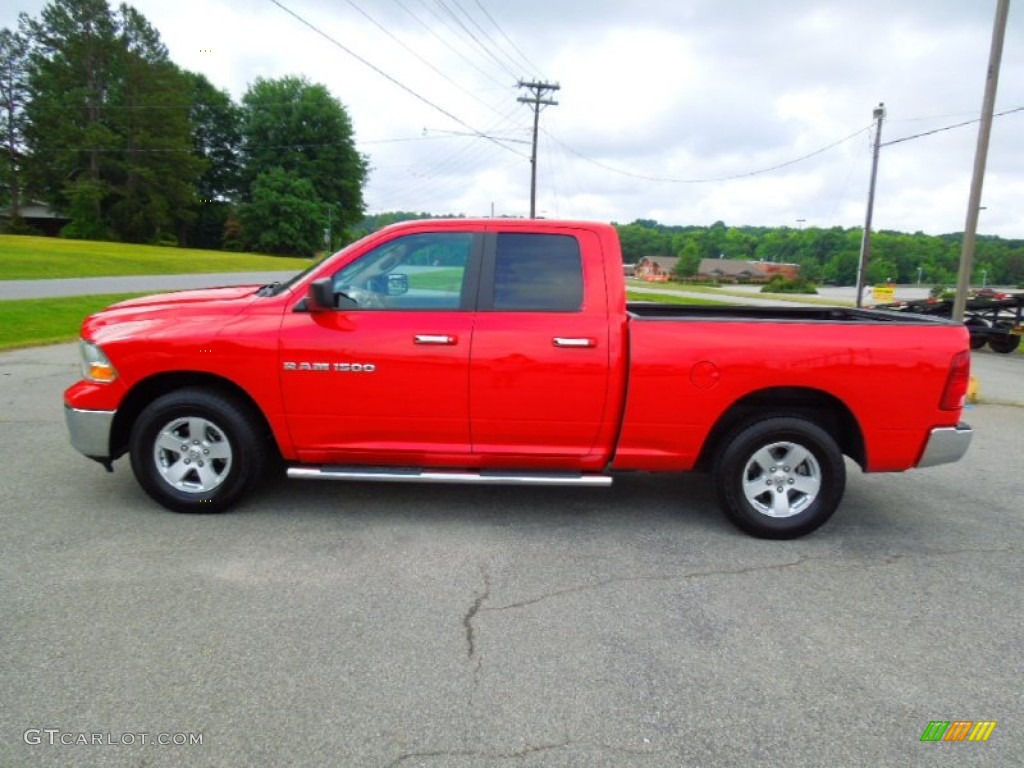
point(895, 557)
point(467, 620)
point(524, 752)
point(521, 753)
point(634, 579)
point(888, 559)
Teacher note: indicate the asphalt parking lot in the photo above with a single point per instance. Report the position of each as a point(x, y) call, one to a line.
point(358, 625)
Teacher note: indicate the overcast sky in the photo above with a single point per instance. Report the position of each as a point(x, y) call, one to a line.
point(659, 101)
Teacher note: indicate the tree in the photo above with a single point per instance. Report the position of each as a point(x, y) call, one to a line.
point(70, 69)
point(217, 137)
point(689, 260)
point(108, 131)
point(153, 178)
point(284, 215)
point(301, 129)
point(13, 96)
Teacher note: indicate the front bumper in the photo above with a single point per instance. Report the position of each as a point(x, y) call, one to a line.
point(90, 431)
point(946, 445)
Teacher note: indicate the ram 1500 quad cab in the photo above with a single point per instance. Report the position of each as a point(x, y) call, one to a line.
point(504, 351)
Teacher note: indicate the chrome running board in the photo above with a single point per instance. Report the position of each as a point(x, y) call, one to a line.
point(472, 477)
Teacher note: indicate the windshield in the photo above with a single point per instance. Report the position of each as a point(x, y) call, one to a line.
point(274, 289)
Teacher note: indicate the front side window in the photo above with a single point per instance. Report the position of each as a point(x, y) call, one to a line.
point(537, 273)
point(423, 271)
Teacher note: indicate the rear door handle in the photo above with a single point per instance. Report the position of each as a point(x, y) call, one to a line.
point(436, 338)
point(563, 341)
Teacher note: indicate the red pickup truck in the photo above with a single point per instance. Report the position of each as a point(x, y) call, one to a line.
point(504, 351)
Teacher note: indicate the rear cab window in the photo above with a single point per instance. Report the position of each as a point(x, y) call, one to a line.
point(535, 273)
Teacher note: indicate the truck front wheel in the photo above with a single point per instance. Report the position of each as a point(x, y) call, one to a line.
point(195, 450)
point(779, 478)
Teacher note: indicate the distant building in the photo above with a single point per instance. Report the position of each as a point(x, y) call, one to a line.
point(655, 269)
point(39, 216)
point(742, 271)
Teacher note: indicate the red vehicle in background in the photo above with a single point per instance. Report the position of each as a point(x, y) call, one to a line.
point(504, 352)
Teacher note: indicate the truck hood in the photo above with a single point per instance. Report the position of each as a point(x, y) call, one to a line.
point(176, 298)
point(162, 313)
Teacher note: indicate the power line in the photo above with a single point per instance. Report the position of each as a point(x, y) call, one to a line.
point(472, 37)
point(447, 44)
point(949, 127)
point(530, 65)
point(402, 43)
point(487, 35)
point(388, 77)
point(732, 177)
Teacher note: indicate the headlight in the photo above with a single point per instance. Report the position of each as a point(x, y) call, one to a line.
point(95, 365)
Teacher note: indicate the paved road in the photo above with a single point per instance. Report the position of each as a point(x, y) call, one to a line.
point(359, 625)
point(41, 289)
point(1000, 377)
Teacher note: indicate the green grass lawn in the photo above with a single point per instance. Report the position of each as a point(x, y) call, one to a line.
point(667, 298)
point(447, 279)
point(32, 258)
point(32, 322)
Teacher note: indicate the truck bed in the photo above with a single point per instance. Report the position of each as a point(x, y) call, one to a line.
point(643, 310)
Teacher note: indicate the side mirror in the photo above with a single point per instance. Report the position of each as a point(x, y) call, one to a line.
point(398, 284)
point(321, 295)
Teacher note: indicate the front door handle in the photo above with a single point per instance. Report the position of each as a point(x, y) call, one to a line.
point(436, 338)
point(563, 341)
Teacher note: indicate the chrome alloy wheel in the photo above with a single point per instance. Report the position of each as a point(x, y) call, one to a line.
point(782, 479)
point(192, 454)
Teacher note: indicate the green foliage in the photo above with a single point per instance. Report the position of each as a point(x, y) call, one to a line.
point(831, 254)
point(780, 284)
point(380, 220)
point(108, 128)
point(132, 148)
point(284, 216)
point(299, 128)
point(217, 137)
point(689, 261)
point(14, 94)
point(84, 198)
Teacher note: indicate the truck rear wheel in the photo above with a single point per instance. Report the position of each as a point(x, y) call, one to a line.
point(195, 450)
point(779, 478)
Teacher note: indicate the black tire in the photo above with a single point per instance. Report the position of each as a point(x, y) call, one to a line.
point(812, 481)
point(222, 452)
point(977, 339)
point(1004, 344)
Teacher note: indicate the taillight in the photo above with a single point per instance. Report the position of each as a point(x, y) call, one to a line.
point(957, 381)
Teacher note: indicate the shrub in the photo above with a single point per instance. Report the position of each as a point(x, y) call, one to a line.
point(779, 284)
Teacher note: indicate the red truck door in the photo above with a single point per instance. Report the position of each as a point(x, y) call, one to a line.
point(386, 379)
point(539, 371)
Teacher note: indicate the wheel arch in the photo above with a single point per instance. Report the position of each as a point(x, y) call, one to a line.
point(146, 391)
point(827, 411)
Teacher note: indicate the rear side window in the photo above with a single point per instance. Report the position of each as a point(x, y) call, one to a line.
point(537, 273)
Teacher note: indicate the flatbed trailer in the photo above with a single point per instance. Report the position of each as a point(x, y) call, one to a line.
point(994, 320)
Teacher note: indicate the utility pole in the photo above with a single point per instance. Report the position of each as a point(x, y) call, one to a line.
point(980, 157)
point(537, 101)
point(865, 241)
